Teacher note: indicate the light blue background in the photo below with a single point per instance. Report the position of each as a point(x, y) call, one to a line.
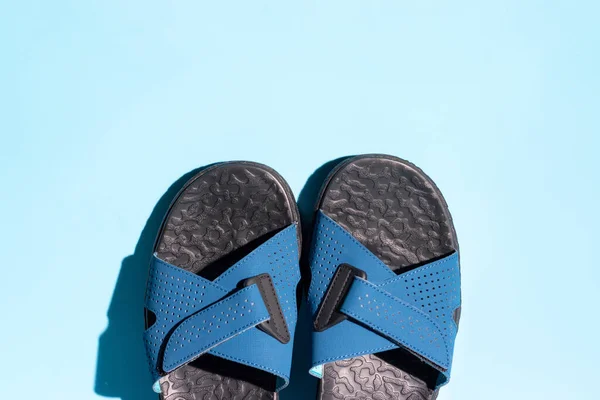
point(104, 104)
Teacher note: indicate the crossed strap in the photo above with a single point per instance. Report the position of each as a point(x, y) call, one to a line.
point(246, 315)
point(362, 307)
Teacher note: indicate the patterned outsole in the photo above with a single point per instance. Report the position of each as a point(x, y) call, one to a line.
point(398, 213)
point(220, 215)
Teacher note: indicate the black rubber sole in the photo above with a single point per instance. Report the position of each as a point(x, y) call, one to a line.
point(220, 215)
point(399, 214)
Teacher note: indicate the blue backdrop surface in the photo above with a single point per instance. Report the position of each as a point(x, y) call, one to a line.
point(104, 104)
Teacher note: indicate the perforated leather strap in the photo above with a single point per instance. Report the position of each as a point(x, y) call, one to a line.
point(376, 310)
point(247, 308)
point(213, 325)
point(400, 321)
point(251, 325)
point(173, 294)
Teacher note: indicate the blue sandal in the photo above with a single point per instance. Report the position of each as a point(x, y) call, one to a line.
point(385, 283)
point(221, 299)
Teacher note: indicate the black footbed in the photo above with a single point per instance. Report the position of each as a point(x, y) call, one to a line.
point(399, 214)
point(222, 214)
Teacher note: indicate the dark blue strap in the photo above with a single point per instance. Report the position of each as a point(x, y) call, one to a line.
point(213, 325)
point(413, 310)
point(398, 320)
point(173, 294)
point(195, 316)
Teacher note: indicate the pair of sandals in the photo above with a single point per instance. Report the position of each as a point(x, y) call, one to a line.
point(224, 285)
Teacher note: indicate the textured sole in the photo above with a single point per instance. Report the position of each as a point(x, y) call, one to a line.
point(398, 213)
point(220, 215)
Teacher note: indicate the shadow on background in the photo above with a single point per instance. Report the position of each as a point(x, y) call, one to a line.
point(302, 385)
point(122, 369)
